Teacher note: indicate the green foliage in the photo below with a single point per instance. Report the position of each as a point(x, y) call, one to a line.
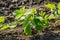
point(42, 13)
point(27, 28)
point(52, 17)
point(12, 25)
point(58, 5)
point(51, 6)
point(59, 12)
point(44, 18)
point(19, 13)
point(38, 23)
point(33, 11)
point(4, 26)
point(2, 19)
point(28, 18)
point(56, 10)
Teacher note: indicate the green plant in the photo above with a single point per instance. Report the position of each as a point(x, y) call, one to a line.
point(55, 9)
point(28, 19)
point(51, 6)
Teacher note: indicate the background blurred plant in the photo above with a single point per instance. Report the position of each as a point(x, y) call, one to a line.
point(55, 9)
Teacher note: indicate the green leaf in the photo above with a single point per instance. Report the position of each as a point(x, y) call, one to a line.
point(4, 27)
point(34, 11)
point(46, 17)
point(38, 24)
point(30, 17)
point(39, 27)
point(56, 14)
point(59, 12)
point(51, 16)
point(42, 13)
point(27, 29)
point(46, 22)
point(51, 6)
point(21, 22)
point(12, 25)
point(36, 20)
point(19, 13)
point(25, 22)
point(58, 6)
point(31, 11)
point(2, 19)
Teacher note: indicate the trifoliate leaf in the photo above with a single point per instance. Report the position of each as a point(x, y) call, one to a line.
point(46, 22)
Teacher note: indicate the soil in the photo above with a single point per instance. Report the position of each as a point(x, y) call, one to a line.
point(7, 7)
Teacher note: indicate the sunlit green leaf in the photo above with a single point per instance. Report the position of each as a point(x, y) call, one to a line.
point(29, 17)
point(4, 27)
point(51, 6)
point(21, 22)
point(2, 19)
point(42, 13)
point(30, 11)
point(59, 12)
point(58, 6)
point(34, 11)
point(51, 16)
point(19, 13)
point(46, 22)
